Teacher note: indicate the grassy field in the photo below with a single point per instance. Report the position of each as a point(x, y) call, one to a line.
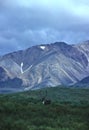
point(69, 110)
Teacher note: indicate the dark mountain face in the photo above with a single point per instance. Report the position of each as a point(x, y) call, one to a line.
point(85, 80)
point(3, 75)
point(8, 84)
point(13, 83)
point(48, 65)
point(83, 83)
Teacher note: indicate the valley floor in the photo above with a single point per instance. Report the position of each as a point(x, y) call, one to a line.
point(69, 110)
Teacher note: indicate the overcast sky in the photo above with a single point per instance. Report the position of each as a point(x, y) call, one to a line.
point(24, 23)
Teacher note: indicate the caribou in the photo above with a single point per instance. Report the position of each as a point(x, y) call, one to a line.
point(44, 98)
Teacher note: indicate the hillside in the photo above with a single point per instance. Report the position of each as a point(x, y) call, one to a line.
point(69, 110)
point(83, 83)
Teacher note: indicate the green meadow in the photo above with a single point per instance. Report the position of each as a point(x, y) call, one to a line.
point(69, 110)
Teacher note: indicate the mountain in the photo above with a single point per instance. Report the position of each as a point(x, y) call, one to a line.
point(3, 75)
point(48, 64)
point(8, 84)
point(83, 83)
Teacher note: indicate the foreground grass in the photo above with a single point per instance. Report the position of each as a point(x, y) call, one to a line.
point(24, 111)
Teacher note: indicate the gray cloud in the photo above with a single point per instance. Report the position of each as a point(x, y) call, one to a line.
point(24, 23)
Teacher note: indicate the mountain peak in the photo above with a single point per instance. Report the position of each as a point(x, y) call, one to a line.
point(60, 43)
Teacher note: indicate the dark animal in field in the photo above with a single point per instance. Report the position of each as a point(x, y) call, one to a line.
point(46, 102)
point(44, 99)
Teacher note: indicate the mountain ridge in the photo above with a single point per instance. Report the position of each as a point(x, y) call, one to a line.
point(48, 64)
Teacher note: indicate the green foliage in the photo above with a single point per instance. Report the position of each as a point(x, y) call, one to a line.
point(69, 110)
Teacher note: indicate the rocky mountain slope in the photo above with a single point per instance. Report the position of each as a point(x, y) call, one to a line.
point(9, 84)
point(83, 83)
point(48, 65)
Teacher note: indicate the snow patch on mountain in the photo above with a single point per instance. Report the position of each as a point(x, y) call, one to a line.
point(22, 68)
point(42, 47)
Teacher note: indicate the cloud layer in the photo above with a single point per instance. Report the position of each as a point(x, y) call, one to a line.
point(24, 23)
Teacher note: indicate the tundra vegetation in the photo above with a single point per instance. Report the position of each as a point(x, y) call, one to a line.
point(68, 110)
